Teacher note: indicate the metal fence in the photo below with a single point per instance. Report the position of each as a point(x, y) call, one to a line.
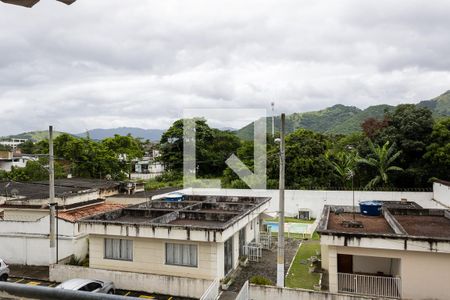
point(244, 292)
point(379, 286)
point(253, 251)
point(212, 293)
point(265, 238)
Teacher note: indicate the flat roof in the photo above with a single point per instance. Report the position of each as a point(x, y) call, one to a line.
point(147, 194)
point(371, 224)
point(31, 194)
point(395, 221)
point(194, 211)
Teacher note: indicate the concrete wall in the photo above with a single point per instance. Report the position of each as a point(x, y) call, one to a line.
point(441, 193)
point(372, 264)
point(20, 214)
point(315, 200)
point(424, 275)
point(27, 242)
point(258, 292)
point(149, 257)
point(176, 286)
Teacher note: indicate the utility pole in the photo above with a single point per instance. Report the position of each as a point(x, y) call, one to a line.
point(273, 118)
point(280, 256)
point(52, 203)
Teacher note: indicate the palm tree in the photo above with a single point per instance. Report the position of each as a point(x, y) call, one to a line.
point(344, 165)
point(381, 159)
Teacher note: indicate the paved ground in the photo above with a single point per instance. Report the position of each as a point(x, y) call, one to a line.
point(36, 272)
point(267, 267)
point(142, 295)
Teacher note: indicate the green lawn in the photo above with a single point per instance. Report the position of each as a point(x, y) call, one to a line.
point(299, 276)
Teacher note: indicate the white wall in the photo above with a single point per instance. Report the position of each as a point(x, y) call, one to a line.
point(258, 292)
point(373, 264)
point(315, 200)
point(441, 193)
point(27, 242)
point(173, 285)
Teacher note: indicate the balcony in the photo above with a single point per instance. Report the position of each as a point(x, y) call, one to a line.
point(370, 285)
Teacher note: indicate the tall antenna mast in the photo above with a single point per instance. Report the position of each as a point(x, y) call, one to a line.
point(273, 118)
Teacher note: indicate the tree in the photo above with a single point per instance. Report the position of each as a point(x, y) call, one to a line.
point(213, 147)
point(27, 147)
point(410, 129)
point(125, 148)
point(306, 162)
point(381, 160)
point(344, 166)
point(438, 151)
point(371, 126)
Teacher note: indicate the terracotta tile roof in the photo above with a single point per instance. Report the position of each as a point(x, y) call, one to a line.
point(77, 214)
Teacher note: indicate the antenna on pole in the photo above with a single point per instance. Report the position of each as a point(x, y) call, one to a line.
point(52, 203)
point(272, 104)
point(280, 254)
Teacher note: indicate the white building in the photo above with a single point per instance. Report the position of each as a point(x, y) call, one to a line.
point(13, 143)
point(24, 218)
point(10, 159)
point(402, 253)
point(176, 248)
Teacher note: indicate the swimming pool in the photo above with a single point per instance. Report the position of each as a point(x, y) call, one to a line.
point(288, 227)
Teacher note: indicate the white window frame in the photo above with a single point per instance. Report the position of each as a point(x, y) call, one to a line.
point(122, 254)
point(181, 247)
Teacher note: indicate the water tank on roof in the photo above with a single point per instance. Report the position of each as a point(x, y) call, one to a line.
point(370, 208)
point(174, 197)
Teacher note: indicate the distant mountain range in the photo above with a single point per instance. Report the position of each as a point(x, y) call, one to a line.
point(337, 119)
point(341, 119)
point(95, 134)
point(145, 134)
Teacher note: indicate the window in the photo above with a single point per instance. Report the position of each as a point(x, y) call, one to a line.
point(90, 287)
point(181, 255)
point(119, 249)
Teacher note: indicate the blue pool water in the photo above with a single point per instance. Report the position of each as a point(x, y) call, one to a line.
point(291, 227)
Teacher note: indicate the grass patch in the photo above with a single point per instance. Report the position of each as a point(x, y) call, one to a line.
point(299, 276)
point(291, 220)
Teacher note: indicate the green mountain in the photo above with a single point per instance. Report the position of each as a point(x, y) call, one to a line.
point(35, 136)
point(341, 119)
point(440, 106)
point(353, 124)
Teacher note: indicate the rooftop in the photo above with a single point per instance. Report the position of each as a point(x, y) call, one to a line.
point(36, 194)
point(207, 212)
point(148, 194)
point(396, 221)
point(80, 213)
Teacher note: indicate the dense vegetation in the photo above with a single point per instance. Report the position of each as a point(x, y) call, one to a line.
point(80, 157)
point(405, 148)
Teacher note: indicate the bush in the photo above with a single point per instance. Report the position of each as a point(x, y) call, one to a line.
point(260, 280)
point(74, 261)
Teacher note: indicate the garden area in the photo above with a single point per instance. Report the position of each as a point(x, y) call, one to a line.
point(301, 274)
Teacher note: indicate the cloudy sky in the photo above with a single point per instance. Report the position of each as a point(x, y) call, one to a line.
point(111, 63)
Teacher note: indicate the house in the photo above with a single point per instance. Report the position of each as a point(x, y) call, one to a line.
point(9, 159)
point(12, 143)
point(404, 252)
point(200, 237)
point(148, 166)
point(25, 217)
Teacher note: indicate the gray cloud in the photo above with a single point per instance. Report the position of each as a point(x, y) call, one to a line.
point(108, 63)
